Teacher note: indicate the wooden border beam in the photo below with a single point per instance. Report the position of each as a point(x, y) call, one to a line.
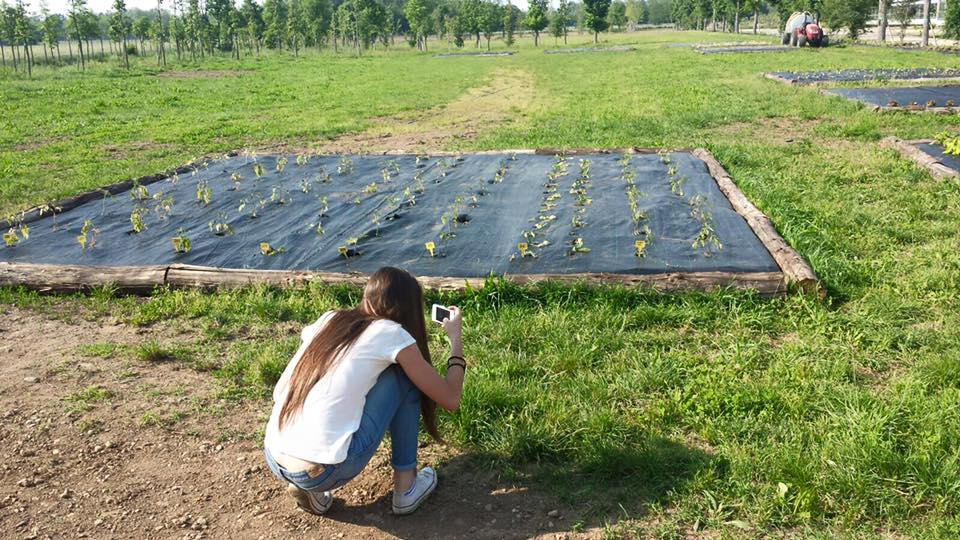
point(909, 150)
point(794, 266)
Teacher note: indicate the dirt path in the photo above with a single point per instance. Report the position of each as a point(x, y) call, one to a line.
point(112, 447)
point(480, 109)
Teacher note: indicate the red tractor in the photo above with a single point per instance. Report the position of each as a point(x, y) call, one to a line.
point(802, 29)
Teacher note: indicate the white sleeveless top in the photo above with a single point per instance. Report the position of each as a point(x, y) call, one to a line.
point(321, 432)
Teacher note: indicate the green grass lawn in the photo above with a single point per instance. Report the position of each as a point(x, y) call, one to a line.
point(722, 411)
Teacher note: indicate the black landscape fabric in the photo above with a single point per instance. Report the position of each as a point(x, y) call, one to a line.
point(590, 50)
point(743, 49)
point(938, 152)
point(932, 96)
point(854, 75)
point(457, 55)
point(384, 209)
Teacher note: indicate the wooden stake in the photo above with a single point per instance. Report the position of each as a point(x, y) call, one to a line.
point(909, 150)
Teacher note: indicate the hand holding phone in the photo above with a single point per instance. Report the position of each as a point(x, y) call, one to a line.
point(449, 317)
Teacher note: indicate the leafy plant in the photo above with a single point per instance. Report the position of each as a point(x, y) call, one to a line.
point(269, 251)
point(162, 205)
point(370, 188)
point(305, 186)
point(181, 243)
point(88, 235)
point(707, 237)
point(576, 246)
point(281, 163)
point(220, 227)
point(279, 196)
point(303, 159)
point(139, 192)
point(236, 178)
point(258, 170)
point(949, 141)
point(137, 219)
point(204, 193)
point(11, 238)
point(345, 166)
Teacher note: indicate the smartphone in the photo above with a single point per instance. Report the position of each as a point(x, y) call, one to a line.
point(439, 313)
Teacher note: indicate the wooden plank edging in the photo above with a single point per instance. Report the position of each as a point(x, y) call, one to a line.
point(144, 279)
point(795, 268)
point(909, 150)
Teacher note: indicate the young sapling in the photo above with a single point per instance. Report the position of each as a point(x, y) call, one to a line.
point(181, 243)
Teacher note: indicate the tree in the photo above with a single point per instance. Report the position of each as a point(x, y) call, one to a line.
point(296, 26)
point(536, 19)
point(925, 36)
point(595, 16)
point(418, 15)
point(903, 13)
point(951, 20)
point(77, 13)
point(468, 18)
point(489, 20)
point(559, 21)
point(617, 15)
point(636, 12)
point(253, 19)
point(23, 31)
point(510, 17)
point(317, 14)
point(882, 16)
point(120, 28)
point(160, 33)
point(52, 32)
point(275, 19)
point(141, 29)
point(849, 14)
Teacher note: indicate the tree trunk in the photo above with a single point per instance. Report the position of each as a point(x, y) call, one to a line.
point(925, 39)
point(46, 60)
point(883, 20)
point(3, 55)
point(59, 60)
point(596, 37)
point(26, 52)
point(756, 18)
point(101, 47)
point(736, 19)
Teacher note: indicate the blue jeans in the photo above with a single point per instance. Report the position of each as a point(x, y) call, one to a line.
point(393, 402)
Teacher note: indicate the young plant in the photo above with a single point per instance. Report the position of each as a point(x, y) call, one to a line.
point(88, 235)
point(303, 159)
point(137, 219)
point(236, 178)
point(11, 238)
point(707, 236)
point(279, 196)
point(162, 205)
point(370, 188)
point(345, 166)
point(576, 246)
point(258, 170)
point(269, 251)
point(181, 243)
point(324, 205)
point(219, 226)
point(204, 193)
point(431, 248)
point(305, 186)
point(949, 141)
point(139, 192)
point(281, 163)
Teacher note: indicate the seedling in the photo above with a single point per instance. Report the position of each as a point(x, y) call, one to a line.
point(236, 178)
point(281, 163)
point(523, 247)
point(136, 219)
point(951, 103)
point(317, 228)
point(577, 246)
point(345, 166)
point(258, 170)
point(204, 193)
point(324, 205)
point(303, 159)
point(305, 185)
point(640, 248)
point(163, 205)
point(325, 177)
point(139, 192)
point(181, 243)
point(269, 251)
point(279, 196)
point(88, 235)
point(664, 156)
point(220, 227)
point(370, 188)
point(676, 184)
point(932, 103)
point(385, 174)
point(11, 238)
point(431, 248)
point(707, 237)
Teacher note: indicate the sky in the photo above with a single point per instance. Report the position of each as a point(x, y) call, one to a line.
point(101, 6)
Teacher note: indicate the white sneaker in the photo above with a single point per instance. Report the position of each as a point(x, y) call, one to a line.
point(423, 486)
point(311, 501)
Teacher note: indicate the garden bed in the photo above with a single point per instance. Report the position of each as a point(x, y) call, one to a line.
point(625, 48)
point(936, 99)
point(671, 220)
point(860, 75)
point(743, 49)
point(929, 155)
point(458, 55)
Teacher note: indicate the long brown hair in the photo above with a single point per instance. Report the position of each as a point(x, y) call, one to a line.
point(390, 293)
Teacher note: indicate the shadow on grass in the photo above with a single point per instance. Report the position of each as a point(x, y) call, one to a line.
point(484, 496)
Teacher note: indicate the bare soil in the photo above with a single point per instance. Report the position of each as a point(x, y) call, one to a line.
point(161, 455)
